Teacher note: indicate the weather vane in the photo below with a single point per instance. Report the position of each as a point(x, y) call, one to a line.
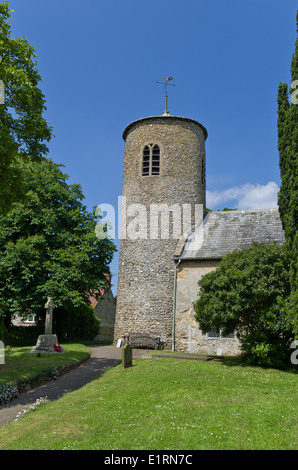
point(166, 83)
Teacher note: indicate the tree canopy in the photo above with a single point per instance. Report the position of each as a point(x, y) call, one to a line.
point(23, 129)
point(288, 194)
point(48, 245)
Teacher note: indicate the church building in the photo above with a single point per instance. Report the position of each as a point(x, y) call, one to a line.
point(168, 240)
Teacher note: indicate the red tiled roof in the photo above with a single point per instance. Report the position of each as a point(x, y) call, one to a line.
point(93, 301)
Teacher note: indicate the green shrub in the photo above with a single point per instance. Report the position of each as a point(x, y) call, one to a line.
point(22, 335)
point(267, 354)
point(71, 323)
point(249, 293)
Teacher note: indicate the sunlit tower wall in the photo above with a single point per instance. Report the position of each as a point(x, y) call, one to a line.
point(164, 164)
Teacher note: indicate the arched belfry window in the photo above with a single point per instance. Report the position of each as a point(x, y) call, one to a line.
point(155, 160)
point(151, 160)
point(146, 161)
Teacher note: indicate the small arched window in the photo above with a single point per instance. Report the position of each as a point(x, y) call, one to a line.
point(203, 172)
point(146, 161)
point(151, 160)
point(155, 160)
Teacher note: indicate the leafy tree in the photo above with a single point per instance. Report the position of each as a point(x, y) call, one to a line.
point(227, 209)
point(48, 246)
point(288, 194)
point(248, 293)
point(23, 129)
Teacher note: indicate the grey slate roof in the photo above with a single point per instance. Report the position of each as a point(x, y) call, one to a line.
point(225, 231)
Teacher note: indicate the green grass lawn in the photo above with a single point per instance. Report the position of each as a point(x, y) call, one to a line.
point(20, 365)
point(161, 404)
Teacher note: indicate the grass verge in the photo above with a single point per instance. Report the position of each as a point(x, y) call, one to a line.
point(167, 405)
point(22, 368)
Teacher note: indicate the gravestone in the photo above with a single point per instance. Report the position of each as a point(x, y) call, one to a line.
point(126, 356)
point(45, 343)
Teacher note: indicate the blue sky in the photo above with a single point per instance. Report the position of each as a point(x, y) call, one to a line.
point(100, 59)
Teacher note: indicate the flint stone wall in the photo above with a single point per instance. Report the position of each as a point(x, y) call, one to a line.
point(146, 266)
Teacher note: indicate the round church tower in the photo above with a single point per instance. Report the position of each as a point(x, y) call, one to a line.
point(163, 186)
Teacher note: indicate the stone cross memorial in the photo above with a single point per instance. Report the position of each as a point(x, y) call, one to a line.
point(49, 306)
point(45, 343)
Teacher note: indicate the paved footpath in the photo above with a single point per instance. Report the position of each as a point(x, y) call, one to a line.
point(101, 358)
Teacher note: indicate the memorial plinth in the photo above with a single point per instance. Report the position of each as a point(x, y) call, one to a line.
point(45, 343)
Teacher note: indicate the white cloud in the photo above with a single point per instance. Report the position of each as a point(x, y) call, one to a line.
point(246, 196)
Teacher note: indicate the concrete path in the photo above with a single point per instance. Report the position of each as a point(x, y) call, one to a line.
point(101, 358)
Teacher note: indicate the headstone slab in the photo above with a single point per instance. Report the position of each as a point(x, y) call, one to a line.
point(45, 343)
point(126, 356)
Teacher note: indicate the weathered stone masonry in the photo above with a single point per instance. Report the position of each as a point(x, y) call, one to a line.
point(147, 263)
point(224, 232)
point(146, 266)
